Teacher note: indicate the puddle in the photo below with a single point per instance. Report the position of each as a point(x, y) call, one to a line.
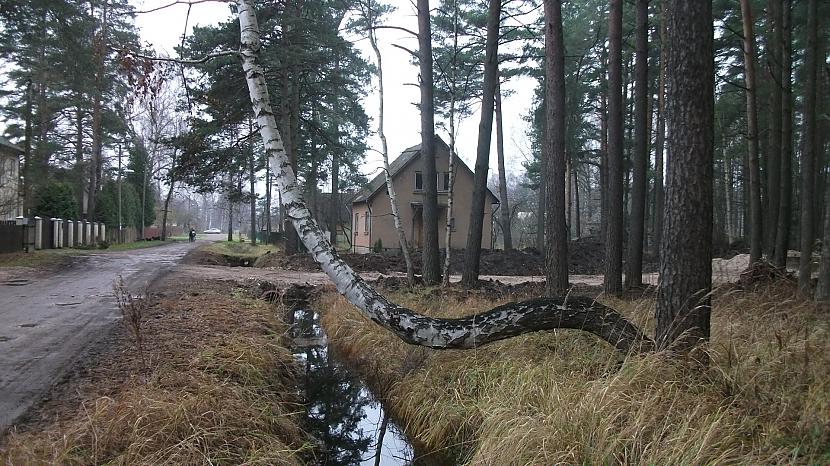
point(341, 413)
point(16, 282)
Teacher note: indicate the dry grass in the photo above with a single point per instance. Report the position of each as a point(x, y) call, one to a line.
point(220, 391)
point(566, 397)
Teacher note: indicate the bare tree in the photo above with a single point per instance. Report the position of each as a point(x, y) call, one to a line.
point(445, 276)
point(504, 208)
point(371, 20)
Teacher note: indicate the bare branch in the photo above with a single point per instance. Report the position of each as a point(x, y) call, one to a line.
point(206, 58)
point(189, 3)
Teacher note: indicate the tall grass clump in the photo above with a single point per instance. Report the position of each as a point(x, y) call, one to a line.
point(567, 397)
point(221, 391)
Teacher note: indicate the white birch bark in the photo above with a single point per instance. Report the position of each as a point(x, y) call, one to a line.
point(467, 332)
point(445, 276)
point(393, 199)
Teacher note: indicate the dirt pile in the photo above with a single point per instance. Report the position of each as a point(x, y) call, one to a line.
point(586, 257)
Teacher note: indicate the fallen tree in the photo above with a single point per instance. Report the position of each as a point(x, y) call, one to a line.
point(469, 332)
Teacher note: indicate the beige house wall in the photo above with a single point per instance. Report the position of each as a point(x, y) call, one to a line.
point(382, 223)
point(360, 235)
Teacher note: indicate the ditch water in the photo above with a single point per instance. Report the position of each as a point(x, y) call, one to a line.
point(341, 412)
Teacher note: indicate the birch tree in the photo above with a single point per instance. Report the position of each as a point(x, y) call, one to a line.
point(371, 23)
point(690, 132)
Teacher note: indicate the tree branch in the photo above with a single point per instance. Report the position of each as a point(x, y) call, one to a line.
point(206, 58)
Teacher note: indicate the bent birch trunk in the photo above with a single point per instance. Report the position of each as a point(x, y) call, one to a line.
point(499, 323)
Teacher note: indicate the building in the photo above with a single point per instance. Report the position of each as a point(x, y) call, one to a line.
point(373, 225)
point(10, 206)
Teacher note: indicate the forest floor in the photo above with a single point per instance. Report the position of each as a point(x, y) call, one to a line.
point(211, 382)
point(566, 397)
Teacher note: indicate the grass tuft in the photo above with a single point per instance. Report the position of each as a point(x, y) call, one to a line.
point(567, 397)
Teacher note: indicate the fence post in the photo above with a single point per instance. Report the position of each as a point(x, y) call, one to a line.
point(79, 232)
point(53, 224)
point(38, 233)
point(87, 232)
point(70, 234)
point(103, 231)
point(61, 240)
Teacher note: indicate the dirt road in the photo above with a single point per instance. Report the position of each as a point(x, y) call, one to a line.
point(46, 321)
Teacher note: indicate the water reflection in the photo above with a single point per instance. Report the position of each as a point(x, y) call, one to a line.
point(341, 412)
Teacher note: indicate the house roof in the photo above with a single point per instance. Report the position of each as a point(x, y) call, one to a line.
point(7, 146)
point(408, 156)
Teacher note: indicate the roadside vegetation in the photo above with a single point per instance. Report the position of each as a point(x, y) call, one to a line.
point(58, 257)
point(217, 387)
point(567, 397)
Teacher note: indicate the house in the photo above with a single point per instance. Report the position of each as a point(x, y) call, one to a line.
point(373, 223)
point(341, 216)
point(9, 180)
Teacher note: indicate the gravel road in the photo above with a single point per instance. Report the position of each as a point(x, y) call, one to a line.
point(47, 320)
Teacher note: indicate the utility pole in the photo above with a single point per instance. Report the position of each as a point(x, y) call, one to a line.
point(27, 154)
point(120, 225)
point(143, 196)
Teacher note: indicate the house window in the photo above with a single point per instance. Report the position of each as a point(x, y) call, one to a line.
point(444, 180)
point(366, 224)
point(419, 181)
point(356, 222)
point(452, 223)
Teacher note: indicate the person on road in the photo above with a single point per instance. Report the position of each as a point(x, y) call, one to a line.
point(192, 235)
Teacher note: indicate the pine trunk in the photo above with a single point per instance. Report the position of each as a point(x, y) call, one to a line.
point(430, 262)
point(634, 272)
point(614, 238)
point(773, 171)
point(782, 233)
point(659, 195)
point(756, 226)
point(809, 154)
point(683, 301)
point(97, 136)
point(556, 248)
point(823, 285)
point(472, 253)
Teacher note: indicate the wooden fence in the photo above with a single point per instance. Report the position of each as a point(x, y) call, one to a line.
point(12, 236)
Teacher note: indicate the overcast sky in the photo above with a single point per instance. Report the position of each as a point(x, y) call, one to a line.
point(163, 29)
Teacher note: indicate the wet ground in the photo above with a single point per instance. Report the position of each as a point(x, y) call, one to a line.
point(46, 321)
